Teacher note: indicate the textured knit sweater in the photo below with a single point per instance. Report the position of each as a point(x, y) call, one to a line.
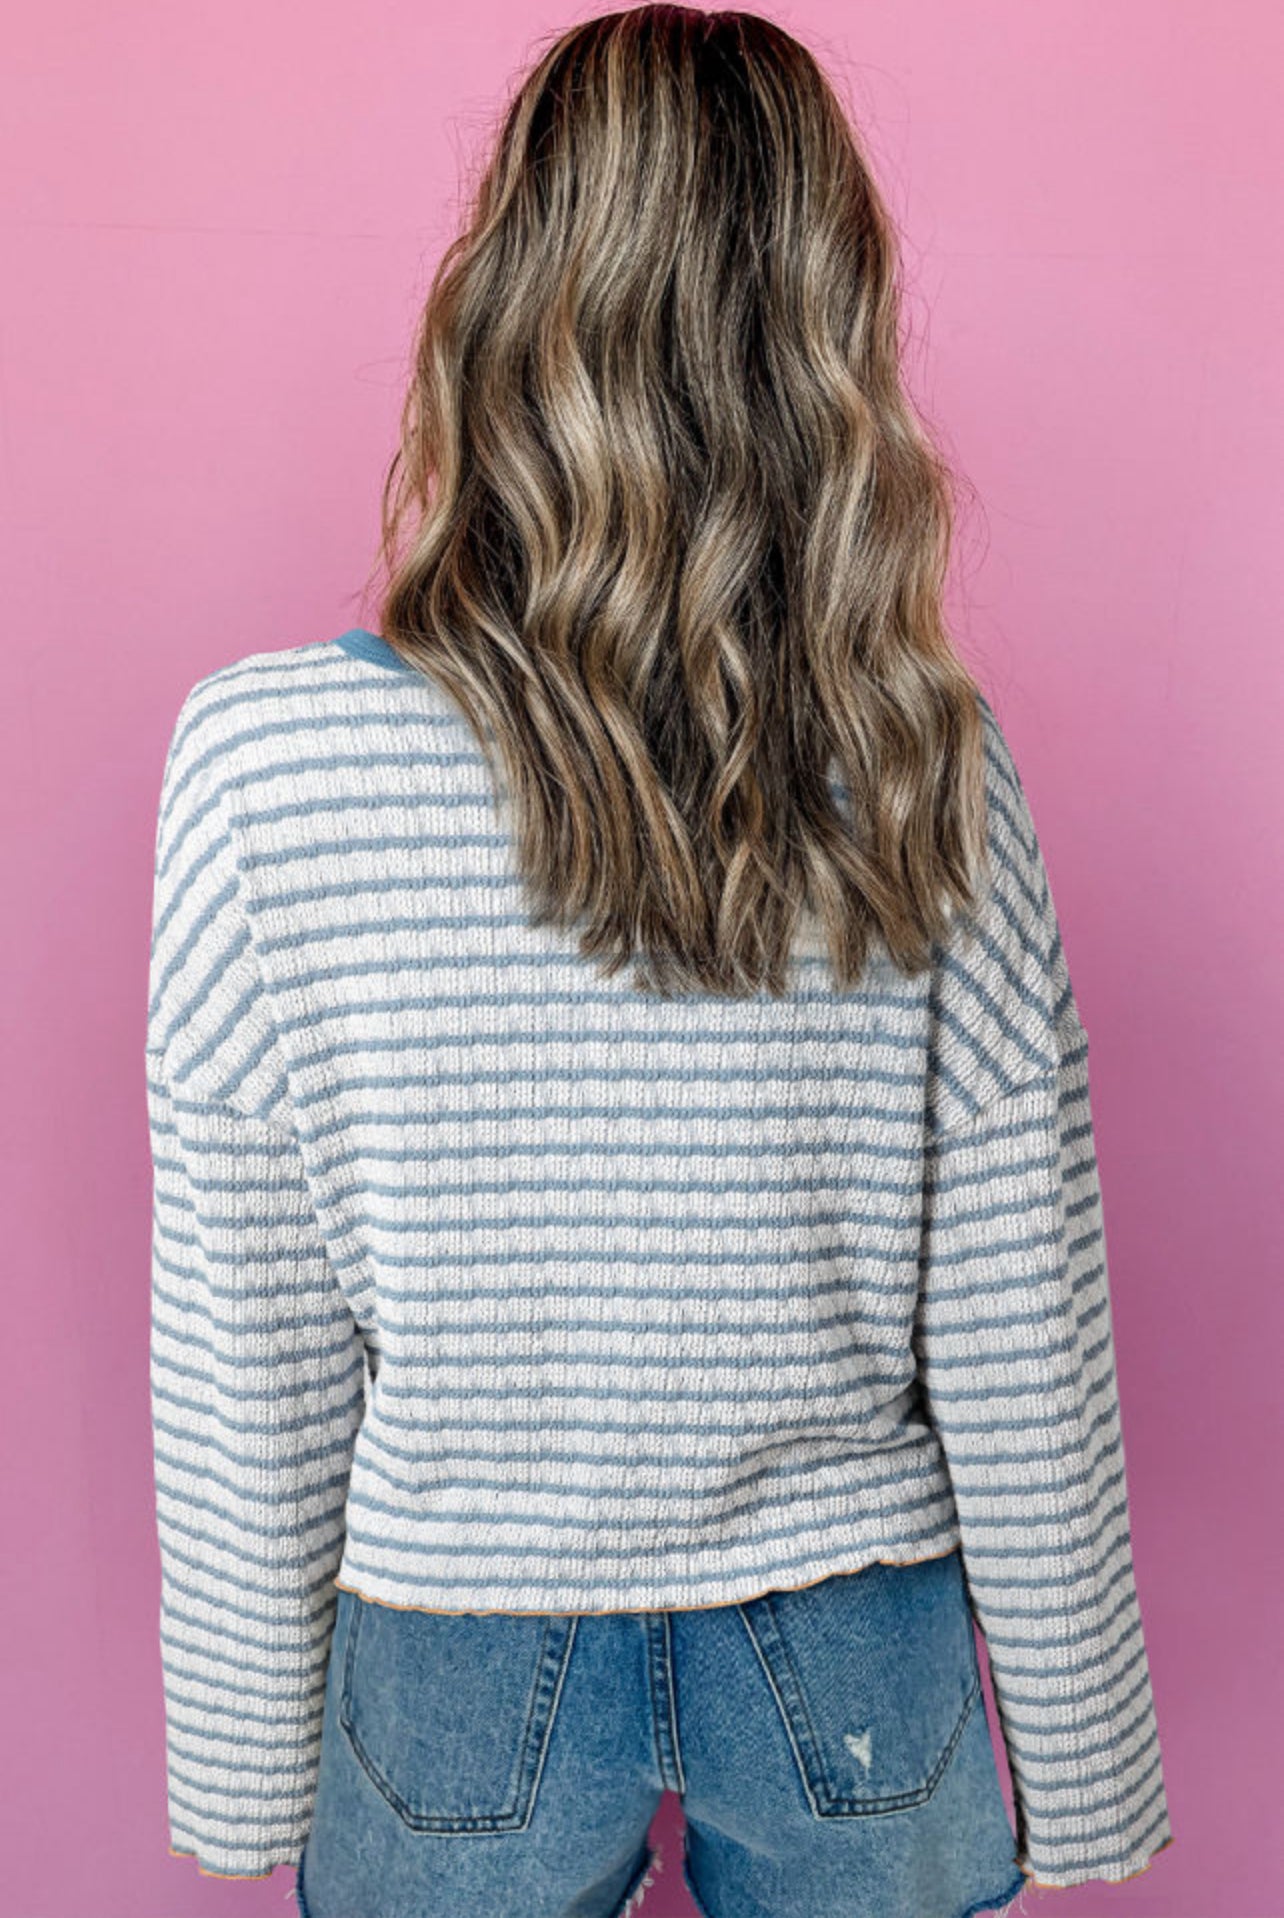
point(481, 1282)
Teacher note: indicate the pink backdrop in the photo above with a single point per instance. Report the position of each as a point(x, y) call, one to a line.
point(218, 223)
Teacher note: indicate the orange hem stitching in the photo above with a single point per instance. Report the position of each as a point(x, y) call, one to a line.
point(205, 1872)
point(1039, 1884)
point(611, 1611)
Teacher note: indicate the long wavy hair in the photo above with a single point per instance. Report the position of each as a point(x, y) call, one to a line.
point(665, 526)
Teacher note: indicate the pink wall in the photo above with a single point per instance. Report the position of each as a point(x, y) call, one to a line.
point(217, 225)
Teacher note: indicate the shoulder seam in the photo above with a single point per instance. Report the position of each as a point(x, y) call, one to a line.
point(1072, 1037)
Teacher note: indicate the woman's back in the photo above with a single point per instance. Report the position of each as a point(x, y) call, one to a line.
point(665, 1301)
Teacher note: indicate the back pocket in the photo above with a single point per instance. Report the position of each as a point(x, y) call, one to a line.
point(874, 1673)
point(450, 1713)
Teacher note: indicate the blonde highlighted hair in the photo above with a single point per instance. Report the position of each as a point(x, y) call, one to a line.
point(663, 522)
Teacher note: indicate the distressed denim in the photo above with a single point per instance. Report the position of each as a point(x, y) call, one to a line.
point(829, 1745)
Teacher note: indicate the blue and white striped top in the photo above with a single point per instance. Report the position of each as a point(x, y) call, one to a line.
point(484, 1283)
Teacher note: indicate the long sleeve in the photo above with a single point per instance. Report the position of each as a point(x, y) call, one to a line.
point(1014, 1341)
point(257, 1391)
point(257, 1365)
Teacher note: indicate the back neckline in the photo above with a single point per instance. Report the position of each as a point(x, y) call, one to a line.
point(363, 644)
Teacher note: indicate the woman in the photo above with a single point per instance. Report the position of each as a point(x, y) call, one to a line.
point(629, 1287)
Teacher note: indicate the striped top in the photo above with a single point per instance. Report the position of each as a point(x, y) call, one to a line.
point(481, 1282)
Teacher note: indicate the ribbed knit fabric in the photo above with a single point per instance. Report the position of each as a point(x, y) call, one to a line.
point(663, 1303)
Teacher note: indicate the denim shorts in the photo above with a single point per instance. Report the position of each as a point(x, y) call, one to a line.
point(829, 1745)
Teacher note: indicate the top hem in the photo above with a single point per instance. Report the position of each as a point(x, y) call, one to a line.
point(731, 1590)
